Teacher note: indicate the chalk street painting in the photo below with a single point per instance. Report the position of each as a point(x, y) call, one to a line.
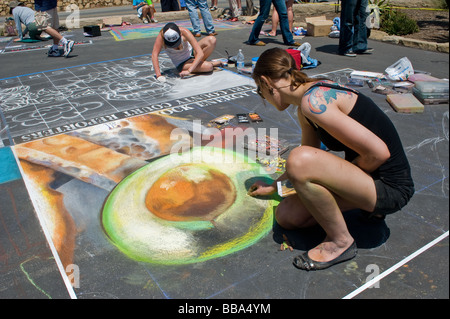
point(53, 102)
point(95, 145)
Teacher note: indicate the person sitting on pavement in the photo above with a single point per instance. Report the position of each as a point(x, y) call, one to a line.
point(26, 16)
point(146, 10)
point(373, 176)
point(188, 55)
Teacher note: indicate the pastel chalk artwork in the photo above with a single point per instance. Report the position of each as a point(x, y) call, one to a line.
point(187, 213)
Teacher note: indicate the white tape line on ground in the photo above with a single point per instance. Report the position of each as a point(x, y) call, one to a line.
point(395, 267)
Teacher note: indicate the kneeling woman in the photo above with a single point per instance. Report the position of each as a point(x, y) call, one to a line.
point(188, 55)
point(374, 176)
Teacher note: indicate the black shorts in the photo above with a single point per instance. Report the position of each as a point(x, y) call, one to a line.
point(180, 66)
point(391, 199)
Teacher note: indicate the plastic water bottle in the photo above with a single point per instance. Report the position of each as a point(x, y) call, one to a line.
point(240, 60)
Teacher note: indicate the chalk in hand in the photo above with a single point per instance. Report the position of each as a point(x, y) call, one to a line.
point(251, 189)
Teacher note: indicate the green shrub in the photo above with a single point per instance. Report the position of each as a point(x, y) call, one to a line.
point(394, 22)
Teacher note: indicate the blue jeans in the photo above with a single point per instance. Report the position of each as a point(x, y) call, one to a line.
point(264, 10)
point(206, 15)
point(353, 30)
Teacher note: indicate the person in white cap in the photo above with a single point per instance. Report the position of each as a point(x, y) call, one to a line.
point(188, 55)
point(26, 16)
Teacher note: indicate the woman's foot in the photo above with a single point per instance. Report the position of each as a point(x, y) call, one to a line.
point(217, 63)
point(328, 250)
point(322, 254)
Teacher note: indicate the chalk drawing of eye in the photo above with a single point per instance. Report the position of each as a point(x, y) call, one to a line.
point(177, 210)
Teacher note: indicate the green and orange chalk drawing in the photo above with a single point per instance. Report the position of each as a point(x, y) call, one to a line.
point(187, 208)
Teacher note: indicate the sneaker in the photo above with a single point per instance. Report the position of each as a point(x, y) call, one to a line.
point(367, 51)
point(53, 52)
point(350, 54)
point(213, 8)
point(213, 33)
point(154, 20)
point(145, 21)
point(68, 48)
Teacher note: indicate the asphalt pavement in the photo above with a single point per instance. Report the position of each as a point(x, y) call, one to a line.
point(413, 261)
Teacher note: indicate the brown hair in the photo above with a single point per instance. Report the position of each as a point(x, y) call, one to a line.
point(277, 63)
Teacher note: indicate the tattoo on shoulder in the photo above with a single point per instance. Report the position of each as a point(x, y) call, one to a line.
point(320, 97)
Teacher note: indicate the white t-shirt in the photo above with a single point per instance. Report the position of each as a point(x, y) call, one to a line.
point(180, 56)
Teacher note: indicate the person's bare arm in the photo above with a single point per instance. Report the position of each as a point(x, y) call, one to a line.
point(198, 52)
point(322, 106)
point(157, 47)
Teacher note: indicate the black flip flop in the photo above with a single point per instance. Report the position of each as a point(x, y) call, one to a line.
point(305, 263)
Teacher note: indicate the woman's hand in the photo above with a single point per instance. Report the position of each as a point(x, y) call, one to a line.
point(185, 73)
point(260, 188)
point(161, 78)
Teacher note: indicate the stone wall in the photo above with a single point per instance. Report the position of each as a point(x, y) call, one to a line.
point(62, 4)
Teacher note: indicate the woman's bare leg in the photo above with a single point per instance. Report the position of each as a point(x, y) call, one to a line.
point(152, 12)
point(56, 36)
point(290, 13)
point(275, 20)
point(208, 45)
point(326, 185)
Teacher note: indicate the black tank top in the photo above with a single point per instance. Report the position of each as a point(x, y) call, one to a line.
point(396, 170)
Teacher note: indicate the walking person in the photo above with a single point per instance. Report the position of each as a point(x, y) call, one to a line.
point(353, 28)
point(213, 6)
point(26, 16)
point(276, 19)
point(202, 5)
point(51, 7)
point(236, 9)
point(264, 7)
